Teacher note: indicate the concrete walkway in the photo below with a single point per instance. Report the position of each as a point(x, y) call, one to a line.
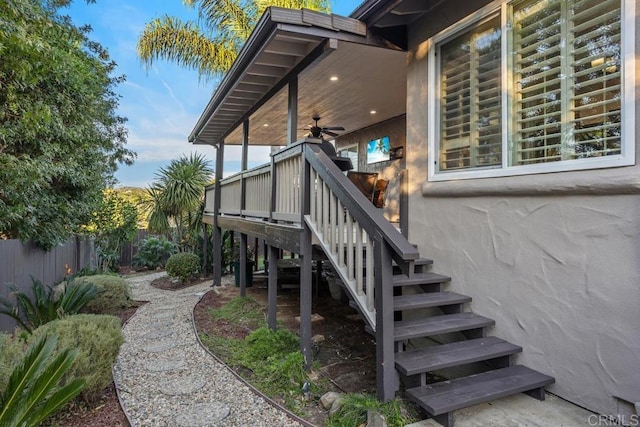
point(165, 378)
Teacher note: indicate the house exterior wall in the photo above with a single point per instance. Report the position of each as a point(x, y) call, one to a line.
point(395, 129)
point(553, 258)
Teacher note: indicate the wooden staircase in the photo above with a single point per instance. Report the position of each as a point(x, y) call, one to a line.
point(465, 344)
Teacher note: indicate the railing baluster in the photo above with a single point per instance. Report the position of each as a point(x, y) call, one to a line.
point(312, 197)
point(350, 266)
point(340, 232)
point(325, 210)
point(359, 261)
point(369, 272)
point(332, 227)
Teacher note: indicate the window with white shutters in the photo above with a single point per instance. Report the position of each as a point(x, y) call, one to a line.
point(470, 106)
point(529, 86)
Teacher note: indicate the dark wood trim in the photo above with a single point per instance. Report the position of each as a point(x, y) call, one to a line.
point(292, 111)
point(243, 265)
point(387, 380)
point(272, 253)
point(286, 237)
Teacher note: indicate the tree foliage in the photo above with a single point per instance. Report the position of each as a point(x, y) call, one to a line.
point(61, 139)
point(175, 199)
point(114, 223)
point(210, 44)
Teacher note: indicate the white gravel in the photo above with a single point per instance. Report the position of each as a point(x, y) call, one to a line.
point(165, 378)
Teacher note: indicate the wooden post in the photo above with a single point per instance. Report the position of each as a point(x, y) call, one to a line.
point(217, 231)
point(306, 288)
point(205, 247)
point(272, 286)
point(242, 265)
point(292, 112)
point(386, 375)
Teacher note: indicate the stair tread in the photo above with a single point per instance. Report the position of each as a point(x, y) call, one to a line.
point(428, 299)
point(419, 279)
point(460, 393)
point(419, 261)
point(439, 325)
point(453, 354)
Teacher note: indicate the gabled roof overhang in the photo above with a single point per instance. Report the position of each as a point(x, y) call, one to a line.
point(284, 43)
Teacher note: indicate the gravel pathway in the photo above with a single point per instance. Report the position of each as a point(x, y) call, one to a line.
point(165, 378)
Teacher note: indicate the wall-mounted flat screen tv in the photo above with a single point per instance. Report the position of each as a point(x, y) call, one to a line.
point(378, 150)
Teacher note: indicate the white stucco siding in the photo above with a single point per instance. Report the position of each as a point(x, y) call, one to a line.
point(553, 258)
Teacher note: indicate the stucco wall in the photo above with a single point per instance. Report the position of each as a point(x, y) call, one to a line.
point(395, 129)
point(553, 258)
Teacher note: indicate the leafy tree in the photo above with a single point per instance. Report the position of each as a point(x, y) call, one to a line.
point(211, 44)
point(114, 223)
point(175, 199)
point(60, 140)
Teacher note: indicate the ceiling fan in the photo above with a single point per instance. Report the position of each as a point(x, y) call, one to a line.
point(316, 131)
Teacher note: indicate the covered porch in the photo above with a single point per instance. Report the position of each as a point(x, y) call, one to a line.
point(298, 64)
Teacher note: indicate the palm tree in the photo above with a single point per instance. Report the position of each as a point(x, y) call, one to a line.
point(176, 197)
point(211, 44)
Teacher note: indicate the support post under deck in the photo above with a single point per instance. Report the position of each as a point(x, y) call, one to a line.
point(217, 231)
point(272, 287)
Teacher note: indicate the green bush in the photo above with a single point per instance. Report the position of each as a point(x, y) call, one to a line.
point(353, 412)
point(11, 352)
point(154, 252)
point(183, 266)
point(114, 294)
point(97, 338)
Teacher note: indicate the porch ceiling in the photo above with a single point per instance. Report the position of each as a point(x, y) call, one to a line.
point(371, 76)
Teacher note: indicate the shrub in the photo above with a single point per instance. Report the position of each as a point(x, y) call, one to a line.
point(32, 393)
point(47, 303)
point(11, 352)
point(353, 412)
point(97, 338)
point(154, 252)
point(114, 294)
point(183, 266)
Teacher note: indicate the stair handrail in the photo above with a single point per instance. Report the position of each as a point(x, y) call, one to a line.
point(372, 220)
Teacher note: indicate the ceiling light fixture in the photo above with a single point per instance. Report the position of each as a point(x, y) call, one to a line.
point(372, 111)
point(333, 78)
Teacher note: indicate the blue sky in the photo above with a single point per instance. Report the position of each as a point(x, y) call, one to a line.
point(163, 103)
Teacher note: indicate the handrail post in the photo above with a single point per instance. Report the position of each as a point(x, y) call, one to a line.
point(305, 269)
point(217, 231)
point(386, 374)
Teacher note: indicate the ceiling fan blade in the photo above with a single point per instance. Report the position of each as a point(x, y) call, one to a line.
point(333, 128)
point(326, 132)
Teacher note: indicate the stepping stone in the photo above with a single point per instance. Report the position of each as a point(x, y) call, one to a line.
point(166, 365)
point(203, 414)
point(162, 324)
point(154, 335)
point(182, 385)
point(160, 346)
point(164, 315)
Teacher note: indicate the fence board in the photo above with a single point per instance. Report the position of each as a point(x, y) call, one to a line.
point(20, 261)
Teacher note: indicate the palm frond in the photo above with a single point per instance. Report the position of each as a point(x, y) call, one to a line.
point(185, 44)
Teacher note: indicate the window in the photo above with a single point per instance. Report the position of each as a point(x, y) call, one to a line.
point(533, 86)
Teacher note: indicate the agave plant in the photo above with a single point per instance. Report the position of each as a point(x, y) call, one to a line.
point(32, 393)
point(46, 303)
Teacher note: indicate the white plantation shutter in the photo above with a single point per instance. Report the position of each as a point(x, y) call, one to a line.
point(470, 98)
point(567, 79)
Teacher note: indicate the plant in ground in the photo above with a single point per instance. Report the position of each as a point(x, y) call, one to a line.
point(183, 266)
point(353, 411)
point(97, 338)
point(32, 393)
point(241, 311)
point(47, 303)
point(12, 351)
point(114, 294)
point(154, 252)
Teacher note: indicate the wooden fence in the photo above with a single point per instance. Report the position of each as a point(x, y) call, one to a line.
point(129, 250)
point(20, 261)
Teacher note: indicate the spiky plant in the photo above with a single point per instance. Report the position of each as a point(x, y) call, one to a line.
point(32, 393)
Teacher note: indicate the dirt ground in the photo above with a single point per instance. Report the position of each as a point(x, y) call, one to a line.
point(342, 348)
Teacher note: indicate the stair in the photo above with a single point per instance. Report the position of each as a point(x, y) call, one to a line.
point(445, 397)
point(440, 399)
